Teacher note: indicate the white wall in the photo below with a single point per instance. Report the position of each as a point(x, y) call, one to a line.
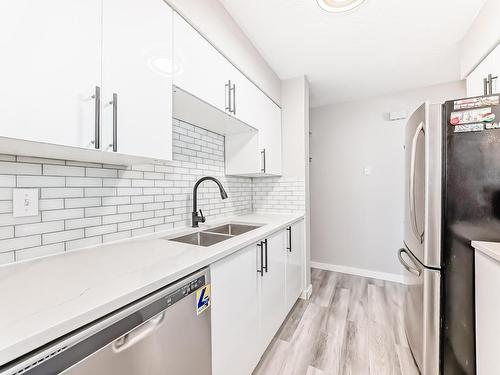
point(357, 220)
point(215, 23)
point(295, 148)
point(482, 37)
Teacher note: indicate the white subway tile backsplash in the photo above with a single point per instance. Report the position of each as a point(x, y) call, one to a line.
point(39, 251)
point(40, 181)
point(5, 207)
point(100, 172)
point(83, 223)
point(100, 211)
point(82, 202)
point(63, 170)
point(85, 204)
point(5, 193)
point(7, 181)
point(19, 243)
point(50, 204)
point(38, 228)
point(66, 235)
point(130, 225)
point(100, 192)
point(61, 193)
point(83, 181)
point(116, 236)
point(6, 232)
point(8, 219)
point(100, 230)
point(71, 213)
point(119, 218)
point(20, 168)
point(84, 242)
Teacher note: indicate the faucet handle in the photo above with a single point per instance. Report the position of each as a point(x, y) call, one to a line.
point(202, 217)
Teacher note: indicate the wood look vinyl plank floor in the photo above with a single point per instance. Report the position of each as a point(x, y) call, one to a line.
point(351, 325)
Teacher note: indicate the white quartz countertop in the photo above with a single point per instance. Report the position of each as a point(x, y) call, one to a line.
point(46, 298)
point(491, 249)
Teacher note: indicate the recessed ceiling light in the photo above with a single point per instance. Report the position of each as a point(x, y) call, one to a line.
point(338, 6)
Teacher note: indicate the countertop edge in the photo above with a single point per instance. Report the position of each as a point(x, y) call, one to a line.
point(39, 339)
point(490, 249)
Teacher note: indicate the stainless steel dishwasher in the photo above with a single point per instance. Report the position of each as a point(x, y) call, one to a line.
point(167, 333)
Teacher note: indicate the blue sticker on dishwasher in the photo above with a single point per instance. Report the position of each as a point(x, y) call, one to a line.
point(203, 299)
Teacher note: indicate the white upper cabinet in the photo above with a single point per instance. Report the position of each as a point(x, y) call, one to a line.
point(49, 70)
point(199, 68)
point(476, 80)
point(137, 68)
point(257, 154)
point(249, 119)
point(254, 107)
point(62, 63)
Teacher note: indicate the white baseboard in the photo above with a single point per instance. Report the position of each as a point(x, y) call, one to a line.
point(359, 272)
point(306, 294)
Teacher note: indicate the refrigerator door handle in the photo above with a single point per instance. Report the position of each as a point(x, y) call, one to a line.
point(413, 214)
point(409, 268)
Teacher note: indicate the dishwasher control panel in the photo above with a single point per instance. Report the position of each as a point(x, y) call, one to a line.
point(185, 290)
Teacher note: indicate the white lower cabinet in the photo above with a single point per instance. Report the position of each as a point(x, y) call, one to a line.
point(294, 263)
point(272, 288)
point(487, 312)
point(252, 292)
point(235, 313)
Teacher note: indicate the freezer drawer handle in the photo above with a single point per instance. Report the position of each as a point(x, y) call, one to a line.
point(409, 268)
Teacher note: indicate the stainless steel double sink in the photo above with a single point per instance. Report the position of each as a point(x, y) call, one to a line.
point(211, 236)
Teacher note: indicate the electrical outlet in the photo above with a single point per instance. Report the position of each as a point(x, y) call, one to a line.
point(367, 171)
point(25, 202)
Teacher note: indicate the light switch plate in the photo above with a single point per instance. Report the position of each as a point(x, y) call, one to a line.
point(367, 171)
point(25, 202)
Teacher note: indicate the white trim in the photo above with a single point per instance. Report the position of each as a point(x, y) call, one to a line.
point(306, 293)
point(359, 272)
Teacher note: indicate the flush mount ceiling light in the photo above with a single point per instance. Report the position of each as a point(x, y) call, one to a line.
point(339, 6)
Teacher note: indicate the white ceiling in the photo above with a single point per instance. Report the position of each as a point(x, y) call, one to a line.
point(382, 46)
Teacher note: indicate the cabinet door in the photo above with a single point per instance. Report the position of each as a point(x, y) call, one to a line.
point(199, 68)
point(235, 313)
point(490, 65)
point(273, 288)
point(50, 67)
point(270, 136)
point(256, 109)
point(487, 312)
point(294, 263)
point(137, 67)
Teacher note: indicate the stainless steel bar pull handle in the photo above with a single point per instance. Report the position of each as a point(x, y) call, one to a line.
point(289, 230)
point(265, 245)
point(490, 83)
point(260, 245)
point(115, 122)
point(263, 161)
point(97, 117)
point(228, 96)
point(409, 268)
point(234, 98)
point(413, 214)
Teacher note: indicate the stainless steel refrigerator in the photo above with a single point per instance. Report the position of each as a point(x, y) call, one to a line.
point(452, 197)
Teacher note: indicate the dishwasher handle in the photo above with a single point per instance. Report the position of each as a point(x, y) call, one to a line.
point(138, 334)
